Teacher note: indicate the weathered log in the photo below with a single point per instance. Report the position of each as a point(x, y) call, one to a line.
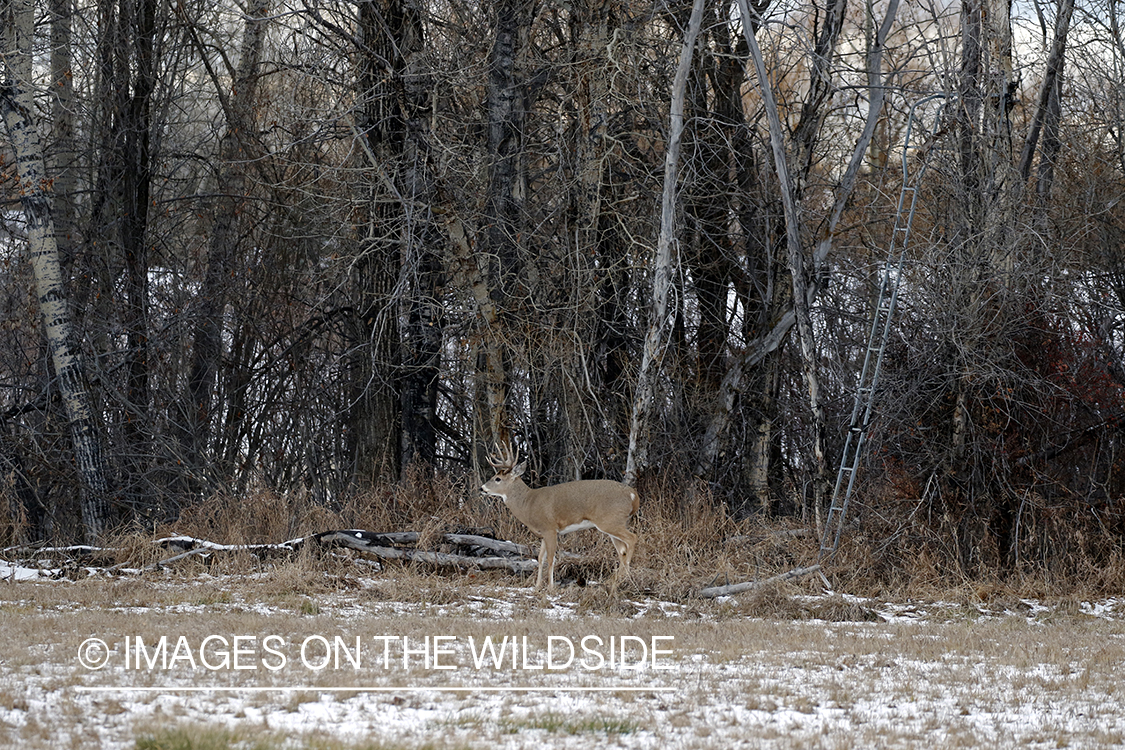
point(175, 558)
point(511, 556)
point(387, 539)
point(713, 591)
point(357, 541)
point(497, 545)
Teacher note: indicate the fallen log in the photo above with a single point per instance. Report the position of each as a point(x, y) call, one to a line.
point(497, 545)
point(384, 539)
point(505, 555)
point(185, 543)
point(357, 541)
point(175, 558)
point(713, 591)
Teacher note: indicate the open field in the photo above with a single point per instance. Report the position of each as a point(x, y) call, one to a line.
point(307, 658)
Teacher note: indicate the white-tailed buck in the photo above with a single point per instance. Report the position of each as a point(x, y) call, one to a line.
point(562, 508)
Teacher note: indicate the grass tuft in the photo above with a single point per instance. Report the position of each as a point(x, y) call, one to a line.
point(556, 723)
point(204, 737)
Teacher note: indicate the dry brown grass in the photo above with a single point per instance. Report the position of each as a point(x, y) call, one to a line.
point(683, 545)
point(897, 543)
point(687, 541)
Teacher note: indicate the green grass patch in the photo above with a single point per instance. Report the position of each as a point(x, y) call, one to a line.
point(551, 722)
point(194, 738)
point(564, 724)
point(201, 737)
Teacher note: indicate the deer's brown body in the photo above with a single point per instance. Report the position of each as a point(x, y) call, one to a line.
point(562, 508)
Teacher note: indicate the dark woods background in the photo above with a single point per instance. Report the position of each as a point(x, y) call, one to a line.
point(318, 247)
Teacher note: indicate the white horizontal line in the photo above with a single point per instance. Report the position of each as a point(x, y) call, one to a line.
point(362, 689)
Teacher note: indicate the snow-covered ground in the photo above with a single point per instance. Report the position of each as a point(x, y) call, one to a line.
point(498, 667)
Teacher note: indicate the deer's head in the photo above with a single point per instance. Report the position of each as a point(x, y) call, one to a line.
point(505, 461)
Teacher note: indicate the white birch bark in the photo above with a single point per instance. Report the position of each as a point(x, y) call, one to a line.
point(34, 187)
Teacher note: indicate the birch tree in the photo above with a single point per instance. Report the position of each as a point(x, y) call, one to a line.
point(50, 289)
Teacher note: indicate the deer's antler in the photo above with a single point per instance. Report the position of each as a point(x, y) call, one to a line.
point(504, 459)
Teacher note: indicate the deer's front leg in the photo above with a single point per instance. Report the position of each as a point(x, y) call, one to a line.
point(547, 560)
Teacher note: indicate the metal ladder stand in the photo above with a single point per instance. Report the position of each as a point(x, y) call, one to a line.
point(862, 410)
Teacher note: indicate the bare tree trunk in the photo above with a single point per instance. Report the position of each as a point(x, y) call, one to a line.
point(656, 340)
point(392, 422)
point(422, 343)
point(422, 258)
point(1002, 90)
point(98, 254)
point(805, 279)
point(116, 241)
point(399, 272)
point(499, 243)
point(590, 32)
point(50, 291)
point(797, 269)
point(226, 212)
point(720, 146)
point(64, 164)
point(135, 131)
point(467, 274)
point(984, 237)
point(1045, 120)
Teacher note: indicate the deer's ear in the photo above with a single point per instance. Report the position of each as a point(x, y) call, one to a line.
point(519, 470)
